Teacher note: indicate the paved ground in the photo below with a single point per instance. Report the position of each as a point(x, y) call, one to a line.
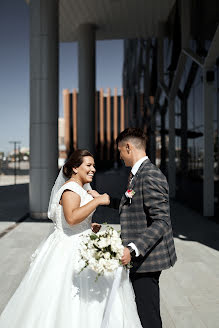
point(7, 173)
point(6, 180)
point(189, 291)
point(13, 205)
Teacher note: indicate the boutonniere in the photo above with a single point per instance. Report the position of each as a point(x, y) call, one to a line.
point(129, 194)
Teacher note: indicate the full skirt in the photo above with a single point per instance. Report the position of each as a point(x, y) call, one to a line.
point(53, 294)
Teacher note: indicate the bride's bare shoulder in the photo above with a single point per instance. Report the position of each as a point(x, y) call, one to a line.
point(67, 182)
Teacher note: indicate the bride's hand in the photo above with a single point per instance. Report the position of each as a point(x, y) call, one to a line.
point(104, 199)
point(95, 227)
point(93, 193)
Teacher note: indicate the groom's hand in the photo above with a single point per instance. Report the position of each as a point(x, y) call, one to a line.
point(126, 256)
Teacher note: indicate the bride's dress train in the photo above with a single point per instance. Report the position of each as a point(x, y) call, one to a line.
point(53, 294)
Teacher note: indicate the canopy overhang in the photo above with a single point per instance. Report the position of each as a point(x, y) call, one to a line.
point(113, 19)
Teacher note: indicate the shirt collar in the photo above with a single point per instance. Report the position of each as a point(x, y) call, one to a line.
point(138, 164)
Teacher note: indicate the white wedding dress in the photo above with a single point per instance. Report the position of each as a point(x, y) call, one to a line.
point(53, 294)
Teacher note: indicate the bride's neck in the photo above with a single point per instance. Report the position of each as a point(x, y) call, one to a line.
point(76, 180)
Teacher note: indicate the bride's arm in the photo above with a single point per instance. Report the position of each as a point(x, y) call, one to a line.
point(114, 202)
point(75, 214)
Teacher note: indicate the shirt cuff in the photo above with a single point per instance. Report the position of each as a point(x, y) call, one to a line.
point(135, 249)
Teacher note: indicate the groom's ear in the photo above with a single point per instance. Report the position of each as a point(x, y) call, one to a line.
point(128, 148)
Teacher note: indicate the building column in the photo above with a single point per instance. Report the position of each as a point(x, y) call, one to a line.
point(66, 107)
point(153, 137)
point(171, 150)
point(163, 154)
point(43, 103)
point(184, 140)
point(208, 103)
point(87, 85)
point(160, 72)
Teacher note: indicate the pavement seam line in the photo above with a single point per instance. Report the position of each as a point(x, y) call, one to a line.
point(14, 225)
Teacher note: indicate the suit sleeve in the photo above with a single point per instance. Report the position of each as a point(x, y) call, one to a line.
point(156, 207)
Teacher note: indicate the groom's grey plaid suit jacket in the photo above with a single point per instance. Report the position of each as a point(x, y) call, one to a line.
point(146, 220)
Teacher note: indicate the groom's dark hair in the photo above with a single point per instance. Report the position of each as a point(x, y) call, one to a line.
point(134, 135)
point(75, 160)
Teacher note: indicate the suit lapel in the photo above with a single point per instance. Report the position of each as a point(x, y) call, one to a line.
point(132, 184)
point(122, 202)
point(135, 178)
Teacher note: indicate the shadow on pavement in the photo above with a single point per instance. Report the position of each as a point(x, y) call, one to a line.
point(187, 223)
point(14, 202)
point(190, 225)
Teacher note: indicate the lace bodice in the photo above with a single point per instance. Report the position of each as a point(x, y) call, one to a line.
point(60, 223)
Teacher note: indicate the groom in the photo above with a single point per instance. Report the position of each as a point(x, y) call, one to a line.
point(146, 228)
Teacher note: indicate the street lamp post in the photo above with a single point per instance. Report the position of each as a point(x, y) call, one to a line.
point(15, 159)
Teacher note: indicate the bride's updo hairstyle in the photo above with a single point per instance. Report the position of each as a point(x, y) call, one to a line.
point(75, 160)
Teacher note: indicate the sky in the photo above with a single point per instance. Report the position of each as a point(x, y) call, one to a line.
point(14, 71)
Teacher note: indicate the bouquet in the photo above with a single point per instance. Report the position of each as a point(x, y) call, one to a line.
point(101, 252)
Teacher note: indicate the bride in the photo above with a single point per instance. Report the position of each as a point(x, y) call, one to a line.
point(54, 293)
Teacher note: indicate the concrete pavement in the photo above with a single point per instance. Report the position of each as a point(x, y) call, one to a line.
point(14, 206)
point(189, 291)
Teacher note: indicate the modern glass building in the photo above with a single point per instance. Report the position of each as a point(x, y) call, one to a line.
point(170, 82)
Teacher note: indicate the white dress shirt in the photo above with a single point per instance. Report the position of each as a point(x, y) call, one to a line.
point(134, 171)
point(138, 164)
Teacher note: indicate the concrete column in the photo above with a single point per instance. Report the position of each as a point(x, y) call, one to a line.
point(66, 106)
point(115, 122)
point(160, 72)
point(108, 122)
point(185, 9)
point(184, 142)
point(127, 112)
point(122, 113)
point(160, 52)
point(185, 36)
point(43, 103)
point(74, 118)
point(163, 141)
point(101, 120)
point(153, 138)
point(208, 183)
point(87, 84)
point(171, 150)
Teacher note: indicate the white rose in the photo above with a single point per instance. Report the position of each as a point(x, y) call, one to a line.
point(111, 265)
point(92, 263)
point(81, 265)
point(104, 243)
point(115, 234)
point(115, 244)
point(107, 255)
point(84, 254)
point(97, 267)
